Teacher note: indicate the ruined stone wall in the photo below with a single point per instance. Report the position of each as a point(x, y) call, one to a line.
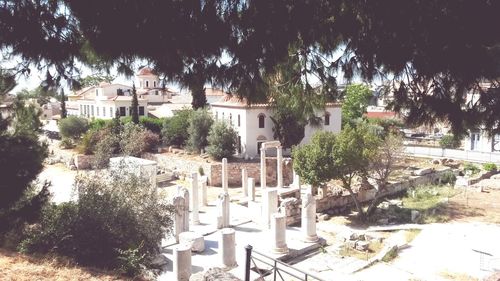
point(253, 171)
point(344, 200)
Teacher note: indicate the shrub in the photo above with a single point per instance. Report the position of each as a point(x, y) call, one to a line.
point(448, 178)
point(471, 168)
point(201, 171)
point(66, 143)
point(106, 145)
point(199, 127)
point(116, 222)
point(175, 129)
point(153, 124)
point(222, 140)
point(73, 127)
point(489, 167)
point(136, 139)
point(98, 124)
point(449, 141)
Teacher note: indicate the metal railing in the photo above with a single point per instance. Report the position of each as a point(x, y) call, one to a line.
point(277, 268)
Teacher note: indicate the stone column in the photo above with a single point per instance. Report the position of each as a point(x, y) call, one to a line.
point(263, 168)
point(278, 231)
point(308, 219)
point(279, 166)
point(244, 181)
point(182, 262)
point(223, 214)
point(251, 189)
point(296, 180)
point(179, 221)
point(204, 198)
point(270, 205)
point(185, 194)
point(227, 248)
point(195, 203)
point(224, 174)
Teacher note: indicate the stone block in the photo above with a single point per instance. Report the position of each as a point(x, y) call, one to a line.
point(424, 171)
point(195, 240)
point(362, 245)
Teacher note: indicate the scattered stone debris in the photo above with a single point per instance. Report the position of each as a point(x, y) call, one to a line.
point(214, 274)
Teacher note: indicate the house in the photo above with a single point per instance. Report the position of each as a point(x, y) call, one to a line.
point(150, 88)
point(105, 100)
point(254, 125)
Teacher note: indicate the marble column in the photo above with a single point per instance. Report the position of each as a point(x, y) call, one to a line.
point(296, 180)
point(227, 246)
point(223, 214)
point(224, 174)
point(204, 196)
point(179, 221)
point(195, 203)
point(182, 262)
point(279, 166)
point(184, 192)
point(263, 168)
point(278, 231)
point(308, 218)
point(270, 205)
point(244, 181)
point(251, 189)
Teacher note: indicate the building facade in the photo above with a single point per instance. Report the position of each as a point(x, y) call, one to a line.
point(254, 125)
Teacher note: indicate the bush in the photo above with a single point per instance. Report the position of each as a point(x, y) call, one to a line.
point(449, 141)
point(448, 178)
point(66, 143)
point(73, 127)
point(153, 124)
point(115, 223)
point(175, 129)
point(489, 167)
point(199, 127)
point(222, 140)
point(135, 140)
point(98, 124)
point(471, 168)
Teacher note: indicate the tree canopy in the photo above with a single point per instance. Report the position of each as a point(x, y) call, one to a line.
point(431, 54)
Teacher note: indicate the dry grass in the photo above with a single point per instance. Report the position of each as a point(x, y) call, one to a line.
point(411, 234)
point(457, 276)
point(14, 266)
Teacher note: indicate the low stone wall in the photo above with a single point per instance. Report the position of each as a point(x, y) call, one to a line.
point(179, 164)
point(291, 207)
point(364, 195)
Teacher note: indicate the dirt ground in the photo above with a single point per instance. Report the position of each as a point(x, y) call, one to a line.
point(471, 206)
point(15, 266)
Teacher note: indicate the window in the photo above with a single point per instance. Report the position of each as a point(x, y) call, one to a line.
point(327, 119)
point(147, 84)
point(103, 111)
point(222, 115)
point(111, 112)
point(91, 110)
point(96, 92)
point(81, 109)
point(239, 121)
point(97, 110)
point(122, 111)
point(239, 144)
point(262, 119)
point(141, 110)
point(230, 119)
point(154, 86)
point(216, 115)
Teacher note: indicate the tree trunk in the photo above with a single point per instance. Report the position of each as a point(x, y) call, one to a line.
point(374, 204)
point(361, 214)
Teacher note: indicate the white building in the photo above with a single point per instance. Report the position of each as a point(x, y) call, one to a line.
point(104, 100)
point(149, 88)
point(254, 125)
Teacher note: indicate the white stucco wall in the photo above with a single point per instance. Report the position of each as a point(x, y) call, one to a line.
point(484, 144)
point(251, 134)
point(106, 107)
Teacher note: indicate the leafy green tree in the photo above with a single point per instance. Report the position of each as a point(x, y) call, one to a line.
point(222, 140)
point(40, 94)
point(73, 127)
point(95, 79)
point(64, 112)
point(314, 162)
point(175, 128)
point(199, 127)
point(356, 99)
point(450, 141)
point(26, 118)
point(134, 109)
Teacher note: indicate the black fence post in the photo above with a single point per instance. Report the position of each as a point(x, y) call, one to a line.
point(248, 250)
